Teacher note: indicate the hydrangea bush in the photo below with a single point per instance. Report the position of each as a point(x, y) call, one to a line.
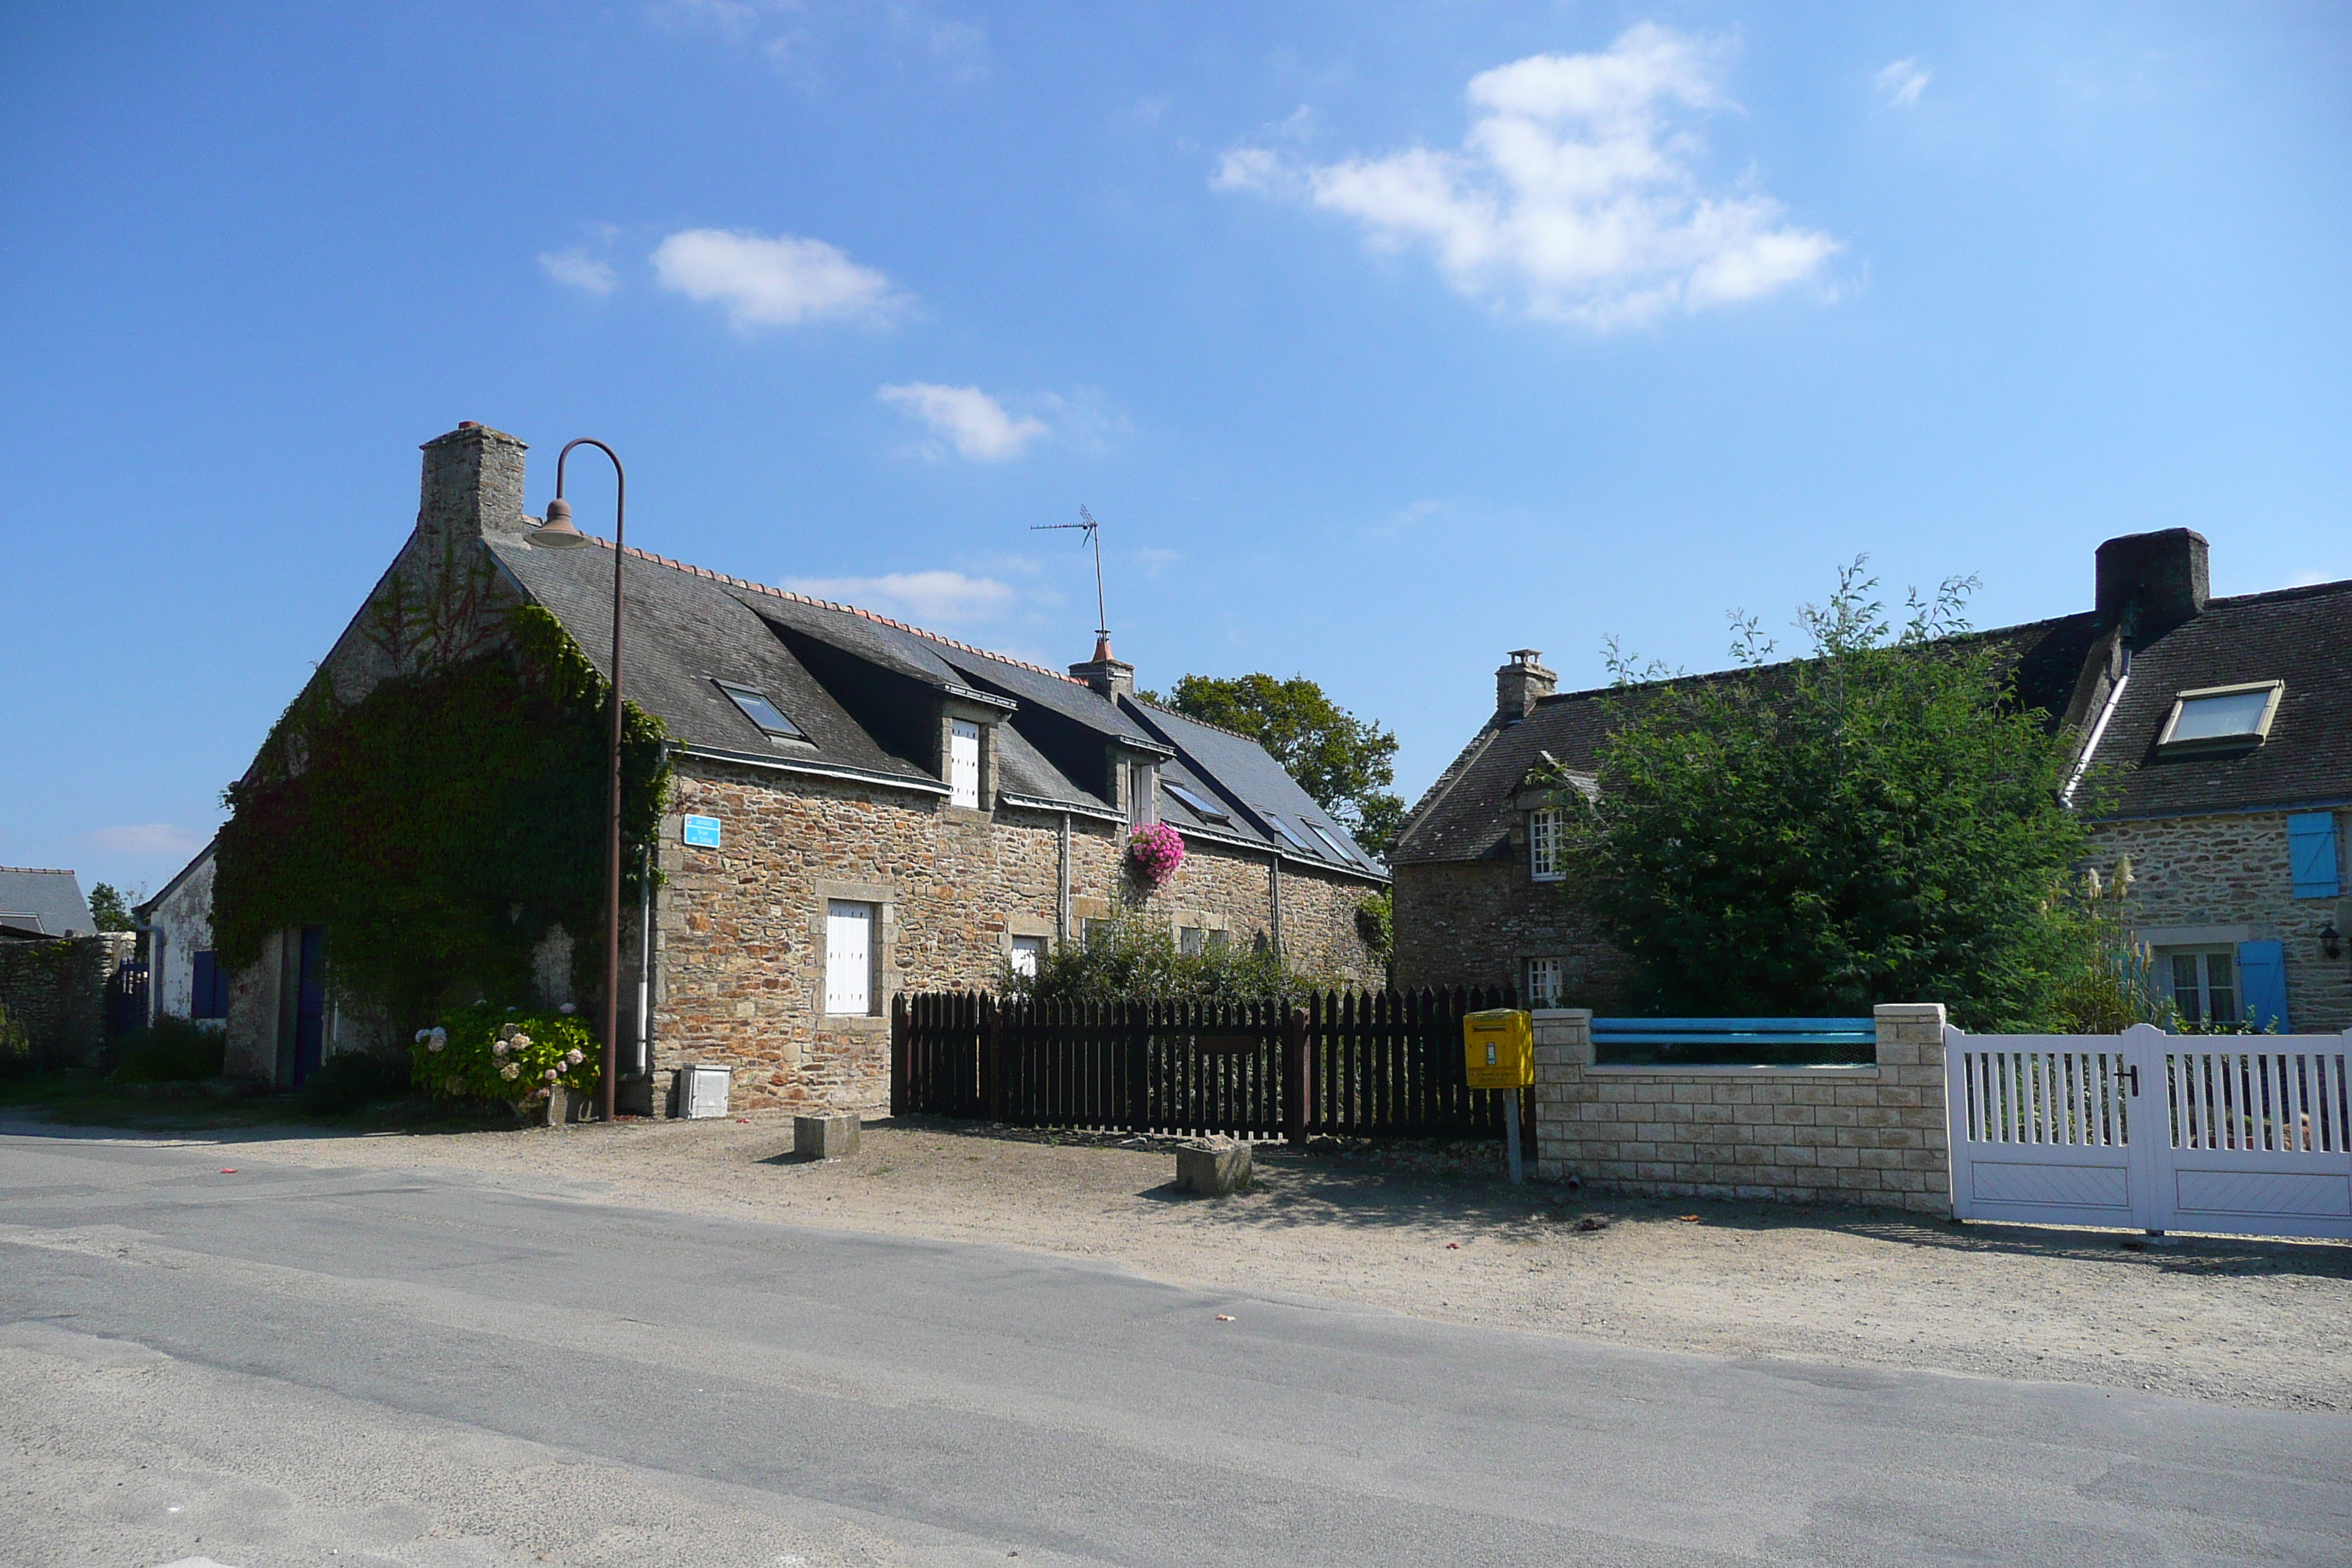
point(1154, 852)
point(486, 1052)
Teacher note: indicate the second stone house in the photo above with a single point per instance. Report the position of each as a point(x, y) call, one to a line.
point(2218, 732)
point(857, 808)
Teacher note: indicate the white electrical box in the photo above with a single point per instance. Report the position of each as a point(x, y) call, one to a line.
point(702, 1091)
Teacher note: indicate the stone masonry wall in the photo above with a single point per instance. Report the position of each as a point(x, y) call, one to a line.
point(55, 990)
point(740, 932)
point(1861, 1134)
point(2232, 871)
point(1476, 922)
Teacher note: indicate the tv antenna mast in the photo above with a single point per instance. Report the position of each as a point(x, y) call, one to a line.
point(1092, 530)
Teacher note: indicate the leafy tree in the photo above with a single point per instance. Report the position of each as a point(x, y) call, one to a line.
point(1345, 764)
point(1877, 821)
point(110, 908)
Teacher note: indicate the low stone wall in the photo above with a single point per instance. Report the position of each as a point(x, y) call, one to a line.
point(1843, 1134)
point(55, 990)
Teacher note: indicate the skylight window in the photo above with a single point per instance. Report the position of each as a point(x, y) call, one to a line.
point(758, 708)
point(1207, 811)
point(1287, 833)
point(1330, 841)
point(2221, 716)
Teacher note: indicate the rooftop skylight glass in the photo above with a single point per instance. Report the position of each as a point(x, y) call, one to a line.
point(757, 707)
point(1287, 833)
point(1207, 811)
point(2222, 716)
point(1330, 840)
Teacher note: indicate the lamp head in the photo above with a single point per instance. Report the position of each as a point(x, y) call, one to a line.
point(557, 531)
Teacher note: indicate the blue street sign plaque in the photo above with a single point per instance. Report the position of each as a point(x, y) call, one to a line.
point(702, 832)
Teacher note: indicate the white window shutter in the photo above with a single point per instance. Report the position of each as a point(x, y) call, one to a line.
point(963, 763)
point(848, 957)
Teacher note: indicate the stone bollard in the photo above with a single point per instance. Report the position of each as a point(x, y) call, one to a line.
point(825, 1137)
point(1213, 1165)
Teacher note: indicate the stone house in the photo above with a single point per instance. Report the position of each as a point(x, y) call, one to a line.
point(858, 808)
point(2217, 735)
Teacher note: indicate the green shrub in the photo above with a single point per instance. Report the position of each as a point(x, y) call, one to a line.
point(488, 1052)
point(350, 1080)
point(1134, 958)
point(169, 1050)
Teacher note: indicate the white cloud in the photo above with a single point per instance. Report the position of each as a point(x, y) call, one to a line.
point(937, 597)
point(975, 424)
point(578, 269)
point(146, 838)
point(1901, 82)
point(778, 282)
point(1575, 197)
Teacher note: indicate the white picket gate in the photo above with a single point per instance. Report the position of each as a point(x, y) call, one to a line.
point(2247, 1135)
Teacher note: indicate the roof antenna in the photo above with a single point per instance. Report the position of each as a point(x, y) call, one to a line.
point(1093, 531)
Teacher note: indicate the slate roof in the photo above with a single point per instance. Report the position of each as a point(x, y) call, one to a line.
point(862, 688)
point(2299, 636)
point(36, 901)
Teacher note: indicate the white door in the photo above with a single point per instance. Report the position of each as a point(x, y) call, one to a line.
point(848, 957)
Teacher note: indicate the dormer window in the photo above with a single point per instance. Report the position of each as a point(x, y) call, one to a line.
point(2222, 718)
point(963, 763)
point(1142, 793)
point(1547, 859)
point(759, 708)
point(1206, 810)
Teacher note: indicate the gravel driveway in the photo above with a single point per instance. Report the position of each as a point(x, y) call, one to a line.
point(2263, 1323)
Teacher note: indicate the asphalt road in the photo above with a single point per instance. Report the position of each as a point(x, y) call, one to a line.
point(302, 1366)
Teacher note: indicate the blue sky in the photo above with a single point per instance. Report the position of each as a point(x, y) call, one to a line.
point(1382, 338)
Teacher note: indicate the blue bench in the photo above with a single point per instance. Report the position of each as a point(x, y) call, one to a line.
point(1734, 1042)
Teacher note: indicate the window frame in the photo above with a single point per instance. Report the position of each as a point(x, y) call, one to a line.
point(1330, 841)
point(1020, 944)
point(1195, 801)
point(957, 795)
point(2203, 953)
point(2165, 742)
point(735, 692)
point(1285, 830)
point(1541, 997)
point(1142, 793)
point(873, 916)
point(1545, 836)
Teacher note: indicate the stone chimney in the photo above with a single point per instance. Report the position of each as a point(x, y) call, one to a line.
point(2150, 583)
point(1519, 683)
point(1105, 674)
point(473, 483)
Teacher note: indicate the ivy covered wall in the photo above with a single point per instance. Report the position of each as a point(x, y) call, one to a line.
point(440, 826)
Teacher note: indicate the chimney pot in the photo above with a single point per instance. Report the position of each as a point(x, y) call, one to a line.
point(1109, 676)
point(1520, 683)
point(2150, 583)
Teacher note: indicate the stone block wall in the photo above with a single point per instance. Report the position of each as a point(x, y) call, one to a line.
point(1476, 922)
point(740, 932)
point(56, 992)
point(1847, 1134)
point(2230, 876)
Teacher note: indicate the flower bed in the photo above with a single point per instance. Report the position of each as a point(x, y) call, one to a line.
point(486, 1052)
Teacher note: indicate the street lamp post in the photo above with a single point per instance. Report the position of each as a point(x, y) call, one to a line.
point(558, 532)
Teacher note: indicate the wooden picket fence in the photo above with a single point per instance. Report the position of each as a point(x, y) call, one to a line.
point(1385, 1064)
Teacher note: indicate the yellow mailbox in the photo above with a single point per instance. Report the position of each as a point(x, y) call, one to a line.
point(1498, 1048)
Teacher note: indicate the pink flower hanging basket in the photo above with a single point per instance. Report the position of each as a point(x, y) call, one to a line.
point(1154, 853)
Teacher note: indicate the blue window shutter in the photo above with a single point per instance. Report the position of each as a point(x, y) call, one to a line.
point(2311, 854)
point(200, 1001)
point(2262, 983)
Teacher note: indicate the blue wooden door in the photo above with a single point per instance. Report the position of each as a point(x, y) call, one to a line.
point(311, 1005)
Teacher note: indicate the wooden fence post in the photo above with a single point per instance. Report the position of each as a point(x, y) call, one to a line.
point(1294, 1068)
point(899, 1106)
point(991, 1060)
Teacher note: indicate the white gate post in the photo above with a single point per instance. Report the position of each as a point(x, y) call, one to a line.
point(2150, 1139)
